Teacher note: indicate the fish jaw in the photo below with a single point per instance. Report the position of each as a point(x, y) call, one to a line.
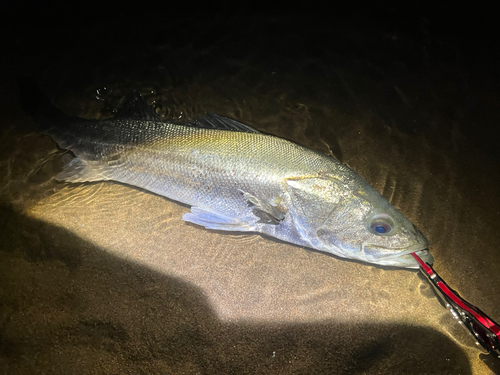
point(394, 258)
point(407, 261)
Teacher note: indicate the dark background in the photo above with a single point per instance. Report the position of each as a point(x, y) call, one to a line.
point(111, 42)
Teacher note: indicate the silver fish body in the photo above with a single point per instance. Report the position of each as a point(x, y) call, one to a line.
point(237, 179)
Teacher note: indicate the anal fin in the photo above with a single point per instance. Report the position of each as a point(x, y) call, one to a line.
point(214, 220)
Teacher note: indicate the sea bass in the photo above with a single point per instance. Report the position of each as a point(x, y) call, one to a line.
point(236, 178)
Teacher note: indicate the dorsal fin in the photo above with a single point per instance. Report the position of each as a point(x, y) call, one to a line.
point(135, 108)
point(215, 121)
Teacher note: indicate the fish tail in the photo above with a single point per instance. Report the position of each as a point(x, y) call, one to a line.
point(77, 169)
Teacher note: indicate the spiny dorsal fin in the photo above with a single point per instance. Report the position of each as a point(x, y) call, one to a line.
point(135, 108)
point(215, 121)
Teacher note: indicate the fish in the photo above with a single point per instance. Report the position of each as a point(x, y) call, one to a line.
point(234, 178)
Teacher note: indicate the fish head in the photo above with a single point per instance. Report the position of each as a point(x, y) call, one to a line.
point(349, 218)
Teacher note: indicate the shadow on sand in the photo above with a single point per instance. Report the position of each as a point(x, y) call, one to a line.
point(69, 307)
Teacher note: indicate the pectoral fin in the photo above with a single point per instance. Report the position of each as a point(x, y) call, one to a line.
point(267, 212)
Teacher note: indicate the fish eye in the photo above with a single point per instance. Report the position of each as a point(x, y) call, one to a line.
point(381, 225)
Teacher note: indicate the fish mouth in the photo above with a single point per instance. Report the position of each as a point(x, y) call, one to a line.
point(406, 260)
point(402, 259)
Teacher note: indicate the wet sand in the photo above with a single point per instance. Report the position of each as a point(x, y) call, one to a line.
point(106, 278)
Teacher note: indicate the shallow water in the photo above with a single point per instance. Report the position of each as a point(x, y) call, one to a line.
point(106, 278)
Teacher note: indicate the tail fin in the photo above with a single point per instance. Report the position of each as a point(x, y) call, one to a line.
point(35, 104)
